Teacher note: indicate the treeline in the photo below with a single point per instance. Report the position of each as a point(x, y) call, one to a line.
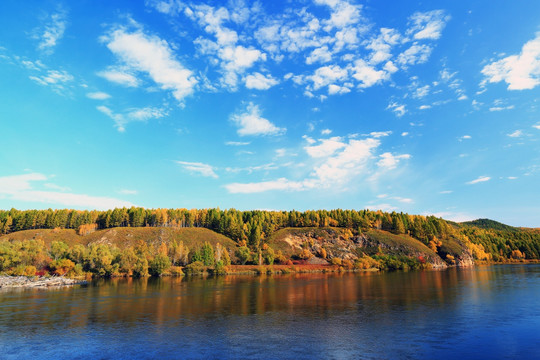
point(253, 228)
point(247, 226)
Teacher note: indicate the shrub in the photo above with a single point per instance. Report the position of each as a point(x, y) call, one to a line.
point(159, 265)
point(335, 261)
point(141, 267)
point(196, 267)
point(176, 271)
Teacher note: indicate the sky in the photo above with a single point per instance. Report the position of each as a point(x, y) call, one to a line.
point(424, 107)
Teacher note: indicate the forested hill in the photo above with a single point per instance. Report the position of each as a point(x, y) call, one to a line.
point(489, 224)
point(362, 233)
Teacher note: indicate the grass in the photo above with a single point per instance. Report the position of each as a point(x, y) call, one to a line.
point(125, 237)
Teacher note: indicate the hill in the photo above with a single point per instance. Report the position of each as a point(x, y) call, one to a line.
point(125, 237)
point(343, 244)
point(489, 225)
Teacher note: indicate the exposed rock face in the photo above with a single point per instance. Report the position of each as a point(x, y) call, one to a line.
point(340, 244)
point(465, 259)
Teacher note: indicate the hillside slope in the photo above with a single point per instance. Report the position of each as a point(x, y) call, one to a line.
point(341, 243)
point(126, 237)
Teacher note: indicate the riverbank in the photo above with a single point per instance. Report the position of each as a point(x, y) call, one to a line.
point(10, 282)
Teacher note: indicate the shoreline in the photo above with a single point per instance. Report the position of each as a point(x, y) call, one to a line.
point(26, 282)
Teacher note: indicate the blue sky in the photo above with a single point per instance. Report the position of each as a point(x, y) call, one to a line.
point(426, 107)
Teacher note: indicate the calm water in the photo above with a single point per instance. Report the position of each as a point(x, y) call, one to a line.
point(487, 312)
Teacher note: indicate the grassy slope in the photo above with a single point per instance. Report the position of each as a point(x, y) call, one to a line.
point(123, 237)
point(404, 243)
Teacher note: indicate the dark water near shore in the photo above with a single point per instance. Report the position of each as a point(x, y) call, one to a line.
point(487, 312)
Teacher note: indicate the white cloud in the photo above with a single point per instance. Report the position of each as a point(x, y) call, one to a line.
point(250, 122)
point(98, 95)
point(169, 7)
point(53, 77)
point(52, 32)
point(424, 107)
point(501, 108)
point(520, 72)
point(367, 75)
point(323, 76)
point(427, 25)
point(119, 76)
point(336, 89)
point(56, 187)
point(325, 148)
point(199, 168)
point(251, 169)
point(381, 45)
point(326, 132)
point(378, 134)
point(279, 184)
point(515, 134)
point(382, 207)
point(479, 180)
point(465, 137)
point(448, 215)
point(56, 79)
point(153, 56)
point(128, 192)
point(398, 109)
point(405, 133)
point(319, 55)
point(416, 54)
point(537, 126)
point(446, 192)
point(343, 13)
point(346, 164)
point(335, 164)
point(20, 188)
point(133, 114)
point(281, 152)
point(260, 82)
point(237, 143)
point(421, 92)
point(389, 161)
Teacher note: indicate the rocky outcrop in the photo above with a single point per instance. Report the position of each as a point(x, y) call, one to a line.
point(7, 282)
point(340, 243)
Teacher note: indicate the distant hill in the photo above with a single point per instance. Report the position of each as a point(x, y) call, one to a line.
point(489, 225)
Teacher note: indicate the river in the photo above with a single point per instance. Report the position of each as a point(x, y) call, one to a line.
point(488, 312)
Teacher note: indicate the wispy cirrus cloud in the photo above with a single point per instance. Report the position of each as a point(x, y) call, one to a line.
point(57, 80)
point(199, 168)
point(478, 180)
point(131, 115)
point(98, 95)
point(23, 188)
point(52, 31)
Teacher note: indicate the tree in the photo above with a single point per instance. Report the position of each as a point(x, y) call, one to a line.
point(159, 264)
point(59, 250)
point(207, 254)
point(243, 254)
point(397, 225)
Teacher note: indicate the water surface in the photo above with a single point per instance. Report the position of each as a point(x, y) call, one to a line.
point(486, 312)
